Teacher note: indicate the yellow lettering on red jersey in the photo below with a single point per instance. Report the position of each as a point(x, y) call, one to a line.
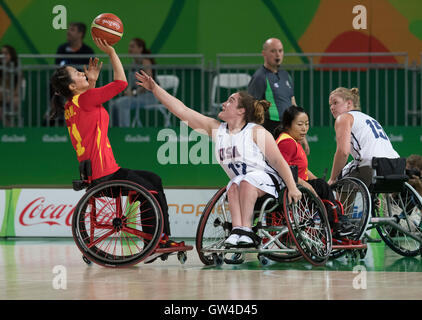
point(99, 145)
point(75, 100)
point(69, 112)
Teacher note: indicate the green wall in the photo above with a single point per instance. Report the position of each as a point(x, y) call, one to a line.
point(45, 156)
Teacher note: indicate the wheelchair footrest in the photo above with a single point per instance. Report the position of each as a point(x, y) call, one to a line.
point(165, 252)
point(350, 246)
point(173, 249)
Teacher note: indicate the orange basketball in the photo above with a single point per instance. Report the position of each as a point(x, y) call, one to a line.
point(107, 26)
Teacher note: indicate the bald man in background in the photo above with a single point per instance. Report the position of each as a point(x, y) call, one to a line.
point(273, 84)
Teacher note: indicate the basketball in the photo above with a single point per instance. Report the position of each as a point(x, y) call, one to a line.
point(107, 26)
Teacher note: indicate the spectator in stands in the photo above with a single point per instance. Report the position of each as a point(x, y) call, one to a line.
point(414, 170)
point(275, 85)
point(10, 83)
point(135, 96)
point(74, 45)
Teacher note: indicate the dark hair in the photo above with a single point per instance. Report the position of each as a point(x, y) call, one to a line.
point(60, 82)
point(13, 61)
point(13, 54)
point(288, 116)
point(141, 43)
point(255, 109)
point(80, 26)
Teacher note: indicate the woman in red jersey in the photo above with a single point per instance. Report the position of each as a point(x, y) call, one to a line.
point(293, 129)
point(87, 121)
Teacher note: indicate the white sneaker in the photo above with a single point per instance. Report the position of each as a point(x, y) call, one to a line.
point(245, 240)
point(232, 240)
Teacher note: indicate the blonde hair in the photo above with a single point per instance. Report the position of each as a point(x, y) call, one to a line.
point(348, 94)
point(255, 109)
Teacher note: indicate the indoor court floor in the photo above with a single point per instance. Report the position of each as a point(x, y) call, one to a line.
point(53, 269)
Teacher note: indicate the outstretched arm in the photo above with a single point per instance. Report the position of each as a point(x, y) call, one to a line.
point(118, 70)
point(195, 120)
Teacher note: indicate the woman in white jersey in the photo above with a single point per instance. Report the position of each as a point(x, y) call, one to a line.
point(357, 134)
point(246, 151)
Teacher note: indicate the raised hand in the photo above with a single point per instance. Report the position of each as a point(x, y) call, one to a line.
point(103, 46)
point(93, 70)
point(145, 81)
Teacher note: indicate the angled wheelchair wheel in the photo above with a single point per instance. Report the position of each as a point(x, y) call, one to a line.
point(308, 224)
point(355, 198)
point(117, 224)
point(406, 209)
point(275, 235)
point(213, 228)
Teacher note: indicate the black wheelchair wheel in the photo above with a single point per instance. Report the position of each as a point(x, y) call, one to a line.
point(117, 224)
point(356, 200)
point(213, 228)
point(308, 224)
point(406, 209)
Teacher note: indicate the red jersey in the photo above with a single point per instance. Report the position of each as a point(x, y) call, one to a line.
point(294, 154)
point(87, 121)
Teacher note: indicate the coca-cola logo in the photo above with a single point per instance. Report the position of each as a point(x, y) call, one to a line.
point(39, 212)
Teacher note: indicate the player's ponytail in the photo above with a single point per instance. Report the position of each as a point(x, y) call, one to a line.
point(60, 82)
point(260, 107)
point(348, 94)
point(254, 109)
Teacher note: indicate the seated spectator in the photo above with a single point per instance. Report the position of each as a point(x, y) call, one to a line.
point(134, 96)
point(291, 132)
point(414, 171)
point(10, 83)
point(74, 45)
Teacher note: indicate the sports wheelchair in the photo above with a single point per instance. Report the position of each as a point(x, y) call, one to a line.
point(390, 205)
point(285, 232)
point(119, 223)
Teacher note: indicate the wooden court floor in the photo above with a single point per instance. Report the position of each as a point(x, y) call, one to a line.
point(52, 269)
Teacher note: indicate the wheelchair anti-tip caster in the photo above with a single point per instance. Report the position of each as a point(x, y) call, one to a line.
point(352, 255)
point(218, 260)
point(86, 260)
point(182, 257)
point(236, 258)
point(362, 253)
point(263, 260)
point(164, 257)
